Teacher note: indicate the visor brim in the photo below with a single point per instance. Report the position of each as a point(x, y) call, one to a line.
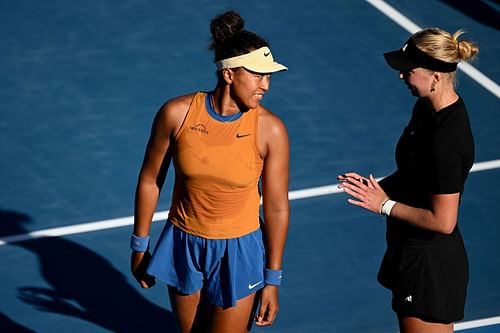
point(398, 61)
point(265, 69)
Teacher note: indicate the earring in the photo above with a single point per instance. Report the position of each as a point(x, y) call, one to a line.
point(433, 86)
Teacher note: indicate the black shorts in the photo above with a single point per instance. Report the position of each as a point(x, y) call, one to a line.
point(428, 280)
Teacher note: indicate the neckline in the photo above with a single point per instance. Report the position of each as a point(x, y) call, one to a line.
point(448, 107)
point(215, 115)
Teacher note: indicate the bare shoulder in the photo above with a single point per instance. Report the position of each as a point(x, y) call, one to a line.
point(273, 136)
point(270, 124)
point(173, 111)
point(177, 106)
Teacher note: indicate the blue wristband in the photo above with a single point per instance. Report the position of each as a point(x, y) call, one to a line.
point(139, 244)
point(272, 276)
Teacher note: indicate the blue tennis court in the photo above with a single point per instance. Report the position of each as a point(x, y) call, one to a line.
point(80, 83)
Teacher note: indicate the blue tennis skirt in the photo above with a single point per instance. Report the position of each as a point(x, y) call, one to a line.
point(226, 269)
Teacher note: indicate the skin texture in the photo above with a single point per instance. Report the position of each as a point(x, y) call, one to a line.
point(364, 191)
point(240, 90)
point(416, 325)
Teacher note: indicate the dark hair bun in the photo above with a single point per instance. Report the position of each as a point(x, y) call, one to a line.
point(224, 26)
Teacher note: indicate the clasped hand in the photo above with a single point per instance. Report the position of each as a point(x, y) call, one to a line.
point(366, 191)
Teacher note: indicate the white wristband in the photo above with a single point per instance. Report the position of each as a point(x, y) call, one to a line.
point(387, 207)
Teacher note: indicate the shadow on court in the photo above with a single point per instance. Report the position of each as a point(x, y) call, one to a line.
point(9, 325)
point(478, 10)
point(83, 285)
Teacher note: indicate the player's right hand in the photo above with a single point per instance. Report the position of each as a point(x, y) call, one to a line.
point(138, 263)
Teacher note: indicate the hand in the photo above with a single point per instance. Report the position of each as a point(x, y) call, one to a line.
point(269, 306)
point(352, 176)
point(138, 263)
point(367, 190)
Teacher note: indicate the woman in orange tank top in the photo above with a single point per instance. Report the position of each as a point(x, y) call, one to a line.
point(218, 261)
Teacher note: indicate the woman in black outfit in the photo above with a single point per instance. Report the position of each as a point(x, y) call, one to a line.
point(425, 264)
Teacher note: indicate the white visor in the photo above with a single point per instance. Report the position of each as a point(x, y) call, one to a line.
point(258, 61)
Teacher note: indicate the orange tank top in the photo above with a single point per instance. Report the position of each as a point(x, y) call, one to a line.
point(217, 171)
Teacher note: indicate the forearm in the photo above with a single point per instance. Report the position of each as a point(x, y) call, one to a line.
point(440, 217)
point(275, 231)
point(425, 218)
point(146, 200)
point(419, 217)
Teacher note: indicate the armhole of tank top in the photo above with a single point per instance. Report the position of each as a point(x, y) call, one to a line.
point(184, 121)
point(257, 134)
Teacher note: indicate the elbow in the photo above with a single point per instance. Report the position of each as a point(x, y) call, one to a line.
point(448, 227)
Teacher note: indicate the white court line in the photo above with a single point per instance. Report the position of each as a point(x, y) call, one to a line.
point(411, 27)
point(488, 165)
point(466, 325)
point(477, 323)
point(162, 215)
